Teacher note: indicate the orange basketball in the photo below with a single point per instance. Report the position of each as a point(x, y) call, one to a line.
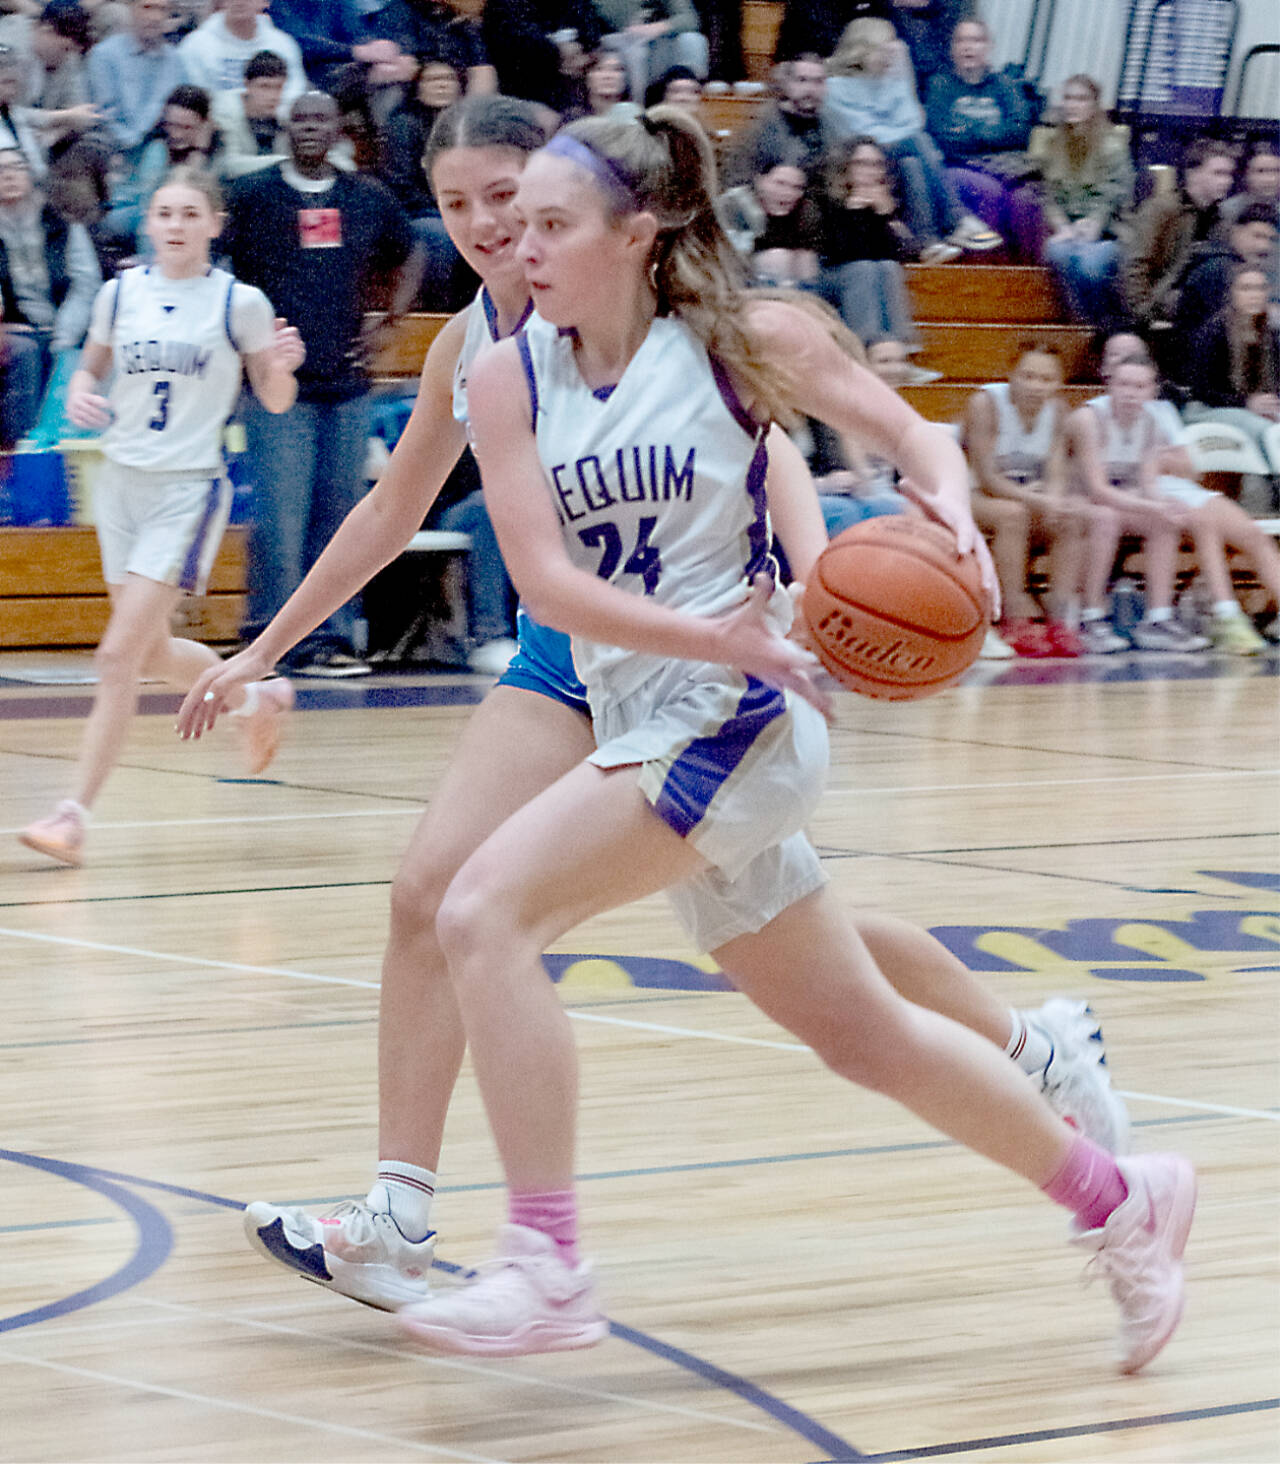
point(894, 611)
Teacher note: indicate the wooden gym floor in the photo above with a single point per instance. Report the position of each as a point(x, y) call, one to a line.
point(796, 1271)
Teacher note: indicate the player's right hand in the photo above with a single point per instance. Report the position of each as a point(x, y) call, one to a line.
point(753, 644)
point(88, 410)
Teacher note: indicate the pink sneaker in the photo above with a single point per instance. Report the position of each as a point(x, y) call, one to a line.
point(263, 728)
point(60, 836)
point(527, 1300)
point(1139, 1250)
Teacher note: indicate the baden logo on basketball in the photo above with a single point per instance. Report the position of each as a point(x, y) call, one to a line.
point(838, 630)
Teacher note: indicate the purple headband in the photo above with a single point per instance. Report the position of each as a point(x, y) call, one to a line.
point(599, 166)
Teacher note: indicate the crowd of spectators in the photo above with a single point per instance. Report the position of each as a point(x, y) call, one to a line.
point(888, 137)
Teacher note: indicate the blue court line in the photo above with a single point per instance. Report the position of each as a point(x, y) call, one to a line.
point(1074, 1431)
point(155, 1240)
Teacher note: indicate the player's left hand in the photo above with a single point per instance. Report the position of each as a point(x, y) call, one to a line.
point(287, 345)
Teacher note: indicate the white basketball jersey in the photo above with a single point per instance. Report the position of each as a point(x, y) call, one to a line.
point(1123, 449)
point(176, 352)
point(658, 482)
point(1021, 455)
point(482, 331)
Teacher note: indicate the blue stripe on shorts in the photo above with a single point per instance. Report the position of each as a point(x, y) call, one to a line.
point(190, 575)
point(544, 663)
point(704, 767)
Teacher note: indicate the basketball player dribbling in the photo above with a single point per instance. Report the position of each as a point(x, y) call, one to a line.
point(531, 729)
point(639, 396)
point(179, 335)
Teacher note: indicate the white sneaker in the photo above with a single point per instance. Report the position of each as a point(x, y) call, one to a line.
point(995, 649)
point(1075, 1079)
point(527, 1300)
point(492, 658)
point(1139, 1250)
point(1098, 638)
point(356, 1251)
point(1167, 635)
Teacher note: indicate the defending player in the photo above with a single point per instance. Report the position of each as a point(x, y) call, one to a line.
point(178, 334)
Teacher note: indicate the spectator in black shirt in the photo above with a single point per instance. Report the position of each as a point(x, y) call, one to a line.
point(436, 28)
point(1250, 240)
point(312, 239)
point(864, 243)
point(539, 47)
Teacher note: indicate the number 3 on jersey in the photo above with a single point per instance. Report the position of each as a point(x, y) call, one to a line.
point(645, 559)
point(161, 418)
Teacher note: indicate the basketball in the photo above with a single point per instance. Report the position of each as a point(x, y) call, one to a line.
point(894, 611)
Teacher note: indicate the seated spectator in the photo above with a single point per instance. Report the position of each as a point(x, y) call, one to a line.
point(651, 36)
point(439, 84)
point(217, 52)
point(187, 135)
point(927, 27)
point(1251, 240)
point(53, 45)
point(447, 283)
point(1235, 367)
point(437, 28)
point(1014, 437)
point(350, 87)
point(330, 33)
point(539, 48)
point(1261, 182)
point(604, 82)
point(773, 225)
point(79, 188)
point(871, 92)
point(1087, 185)
point(1168, 229)
point(793, 120)
point(248, 120)
point(981, 120)
point(678, 86)
point(864, 243)
point(17, 130)
point(49, 276)
point(1131, 460)
point(852, 483)
point(131, 73)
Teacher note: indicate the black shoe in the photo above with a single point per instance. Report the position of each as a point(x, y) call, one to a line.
point(332, 664)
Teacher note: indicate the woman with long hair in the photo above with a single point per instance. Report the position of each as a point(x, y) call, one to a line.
point(1087, 185)
point(1235, 366)
point(871, 92)
point(640, 399)
point(532, 729)
point(180, 335)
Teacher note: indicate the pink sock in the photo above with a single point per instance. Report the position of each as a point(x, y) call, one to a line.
point(1089, 1183)
point(554, 1213)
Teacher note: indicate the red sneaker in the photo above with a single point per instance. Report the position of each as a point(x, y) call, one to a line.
point(1064, 640)
point(1028, 637)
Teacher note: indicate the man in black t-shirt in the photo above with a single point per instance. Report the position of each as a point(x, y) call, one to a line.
point(312, 238)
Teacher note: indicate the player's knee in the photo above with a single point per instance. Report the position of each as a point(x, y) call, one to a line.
point(471, 923)
point(416, 895)
point(116, 661)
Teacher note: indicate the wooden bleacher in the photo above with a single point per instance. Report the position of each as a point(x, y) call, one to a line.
point(971, 316)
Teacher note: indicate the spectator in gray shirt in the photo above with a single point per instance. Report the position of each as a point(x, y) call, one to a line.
point(49, 276)
point(131, 73)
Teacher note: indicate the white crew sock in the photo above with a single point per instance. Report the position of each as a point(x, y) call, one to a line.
point(404, 1191)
